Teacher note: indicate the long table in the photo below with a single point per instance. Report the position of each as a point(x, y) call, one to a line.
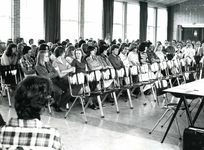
point(195, 88)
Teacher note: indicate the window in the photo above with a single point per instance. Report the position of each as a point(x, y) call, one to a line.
point(151, 25)
point(117, 20)
point(133, 20)
point(162, 25)
point(31, 23)
point(5, 20)
point(69, 20)
point(93, 19)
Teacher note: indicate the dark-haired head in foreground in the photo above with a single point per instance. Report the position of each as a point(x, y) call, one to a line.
point(31, 96)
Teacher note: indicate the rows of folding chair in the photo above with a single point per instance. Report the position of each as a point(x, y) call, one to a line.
point(180, 72)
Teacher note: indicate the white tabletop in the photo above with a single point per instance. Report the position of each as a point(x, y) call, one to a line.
point(192, 88)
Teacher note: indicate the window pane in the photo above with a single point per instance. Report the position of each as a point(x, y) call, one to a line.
point(133, 12)
point(93, 19)
point(162, 25)
point(117, 31)
point(150, 34)
point(150, 20)
point(69, 30)
point(117, 20)
point(69, 20)
point(5, 20)
point(118, 10)
point(32, 20)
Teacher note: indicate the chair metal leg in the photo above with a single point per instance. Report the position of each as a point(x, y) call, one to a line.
point(167, 119)
point(49, 108)
point(159, 121)
point(143, 96)
point(116, 102)
point(100, 106)
point(130, 99)
point(71, 107)
point(8, 94)
point(82, 105)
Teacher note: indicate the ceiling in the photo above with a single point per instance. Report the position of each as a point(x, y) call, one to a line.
point(166, 2)
point(155, 3)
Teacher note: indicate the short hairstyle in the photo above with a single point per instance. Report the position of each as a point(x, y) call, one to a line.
point(64, 43)
point(31, 96)
point(113, 47)
point(44, 47)
point(9, 49)
point(59, 51)
point(102, 49)
point(53, 47)
point(26, 49)
point(132, 46)
point(122, 46)
point(40, 57)
point(30, 40)
point(41, 42)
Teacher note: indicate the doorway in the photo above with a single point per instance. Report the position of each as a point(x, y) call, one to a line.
point(194, 34)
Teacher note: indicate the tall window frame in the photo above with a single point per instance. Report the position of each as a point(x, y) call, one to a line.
point(5, 19)
point(162, 18)
point(133, 21)
point(31, 21)
point(117, 20)
point(93, 19)
point(69, 20)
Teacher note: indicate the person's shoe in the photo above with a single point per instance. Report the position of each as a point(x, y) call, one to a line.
point(110, 100)
point(94, 107)
point(103, 105)
point(56, 107)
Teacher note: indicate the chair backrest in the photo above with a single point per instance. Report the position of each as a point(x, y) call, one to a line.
point(9, 74)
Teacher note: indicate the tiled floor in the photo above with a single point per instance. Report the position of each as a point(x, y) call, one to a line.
point(128, 129)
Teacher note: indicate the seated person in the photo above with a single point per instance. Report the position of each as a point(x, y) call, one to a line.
point(62, 66)
point(27, 62)
point(45, 69)
point(31, 97)
point(69, 53)
point(103, 58)
point(80, 67)
point(133, 55)
point(10, 56)
point(91, 59)
point(114, 58)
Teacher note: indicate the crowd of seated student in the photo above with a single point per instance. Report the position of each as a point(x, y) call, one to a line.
point(44, 58)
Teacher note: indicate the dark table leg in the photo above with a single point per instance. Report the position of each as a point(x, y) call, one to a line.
point(173, 117)
point(198, 111)
point(188, 112)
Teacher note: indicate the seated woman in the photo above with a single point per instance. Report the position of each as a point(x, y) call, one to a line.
point(80, 67)
point(62, 66)
point(45, 69)
point(9, 56)
point(69, 53)
point(92, 60)
point(103, 58)
point(114, 58)
point(27, 63)
point(31, 98)
point(159, 53)
point(123, 54)
point(133, 55)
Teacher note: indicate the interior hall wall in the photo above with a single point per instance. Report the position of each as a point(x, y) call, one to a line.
point(190, 12)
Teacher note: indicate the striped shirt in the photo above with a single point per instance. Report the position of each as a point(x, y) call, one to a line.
point(29, 134)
